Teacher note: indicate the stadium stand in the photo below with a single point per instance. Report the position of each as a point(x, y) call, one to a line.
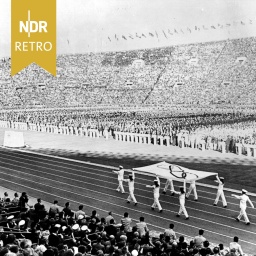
point(211, 77)
point(205, 73)
point(37, 231)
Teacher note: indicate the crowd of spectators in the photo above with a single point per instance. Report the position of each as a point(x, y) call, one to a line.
point(203, 73)
point(59, 231)
point(179, 125)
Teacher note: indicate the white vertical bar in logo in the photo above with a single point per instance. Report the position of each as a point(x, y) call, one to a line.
point(28, 23)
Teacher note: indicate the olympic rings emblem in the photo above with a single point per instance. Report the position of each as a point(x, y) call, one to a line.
point(177, 170)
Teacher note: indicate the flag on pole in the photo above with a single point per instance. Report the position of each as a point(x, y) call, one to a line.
point(165, 34)
point(170, 32)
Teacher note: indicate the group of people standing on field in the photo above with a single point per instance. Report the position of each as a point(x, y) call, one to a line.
point(183, 195)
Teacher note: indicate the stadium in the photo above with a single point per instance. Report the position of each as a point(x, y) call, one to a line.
point(146, 95)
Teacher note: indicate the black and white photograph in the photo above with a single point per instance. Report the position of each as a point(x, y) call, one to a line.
point(143, 143)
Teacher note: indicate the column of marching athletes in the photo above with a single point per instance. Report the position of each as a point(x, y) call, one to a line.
point(244, 198)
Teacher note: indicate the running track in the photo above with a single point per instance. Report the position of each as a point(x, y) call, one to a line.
point(95, 187)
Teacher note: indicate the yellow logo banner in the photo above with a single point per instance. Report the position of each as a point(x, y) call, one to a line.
point(33, 34)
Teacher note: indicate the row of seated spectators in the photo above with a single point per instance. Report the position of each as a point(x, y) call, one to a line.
point(165, 75)
point(192, 128)
point(64, 232)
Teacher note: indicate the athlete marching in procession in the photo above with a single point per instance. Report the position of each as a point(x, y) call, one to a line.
point(182, 196)
point(120, 174)
point(168, 183)
point(156, 188)
point(130, 181)
point(192, 187)
point(243, 204)
point(220, 192)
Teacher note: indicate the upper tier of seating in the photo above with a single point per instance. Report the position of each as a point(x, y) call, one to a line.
point(204, 73)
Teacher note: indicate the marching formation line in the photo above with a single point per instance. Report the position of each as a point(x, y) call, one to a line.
point(114, 183)
point(137, 195)
point(139, 178)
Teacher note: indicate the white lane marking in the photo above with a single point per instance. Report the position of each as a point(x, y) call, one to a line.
point(111, 167)
point(137, 195)
point(115, 197)
point(99, 170)
point(124, 208)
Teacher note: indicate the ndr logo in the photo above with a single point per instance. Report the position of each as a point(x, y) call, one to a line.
point(31, 26)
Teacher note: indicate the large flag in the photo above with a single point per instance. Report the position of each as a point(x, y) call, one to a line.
point(172, 171)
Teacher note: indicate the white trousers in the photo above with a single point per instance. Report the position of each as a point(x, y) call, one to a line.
point(243, 213)
point(183, 210)
point(131, 196)
point(167, 184)
point(220, 193)
point(156, 203)
point(192, 188)
point(120, 186)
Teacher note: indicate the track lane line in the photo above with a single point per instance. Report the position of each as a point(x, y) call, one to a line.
point(175, 212)
point(139, 179)
point(110, 167)
point(201, 203)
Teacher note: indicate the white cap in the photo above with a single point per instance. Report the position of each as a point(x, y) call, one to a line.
point(75, 227)
point(156, 180)
point(57, 225)
point(84, 228)
point(80, 217)
point(10, 217)
point(121, 167)
point(135, 253)
point(22, 222)
point(244, 191)
point(221, 178)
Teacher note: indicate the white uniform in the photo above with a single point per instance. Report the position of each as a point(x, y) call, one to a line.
point(168, 183)
point(120, 174)
point(192, 187)
point(243, 204)
point(220, 193)
point(131, 196)
point(156, 195)
point(235, 245)
point(182, 204)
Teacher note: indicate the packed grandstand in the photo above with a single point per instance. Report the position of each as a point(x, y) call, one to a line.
point(60, 231)
point(197, 74)
point(186, 93)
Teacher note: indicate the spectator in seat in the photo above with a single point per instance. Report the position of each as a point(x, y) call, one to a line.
point(111, 229)
point(54, 209)
point(15, 200)
point(23, 201)
point(98, 246)
point(126, 222)
point(142, 227)
point(67, 211)
point(170, 232)
point(199, 240)
point(109, 217)
point(54, 239)
point(79, 212)
point(235, 245)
